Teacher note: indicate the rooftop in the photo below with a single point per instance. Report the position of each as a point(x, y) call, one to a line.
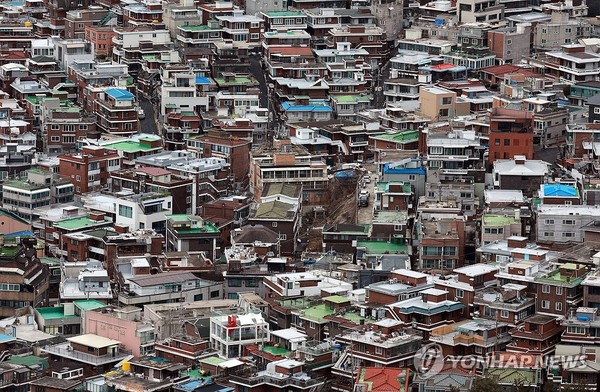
point(382, 247)
point(80, 223)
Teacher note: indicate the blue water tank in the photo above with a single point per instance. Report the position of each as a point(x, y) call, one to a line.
point(338, 346)
point(583, 318)
point(439, 22)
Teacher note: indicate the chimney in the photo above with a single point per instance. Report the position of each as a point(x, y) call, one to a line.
point(121, 228)
point(520, 159)
point(96, 216)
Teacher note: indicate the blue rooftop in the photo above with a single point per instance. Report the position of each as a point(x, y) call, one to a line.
point(6, 338)
point(119, 93)
point(200, 80)
point(559, 190)
point(287, 106)
point(24, 233)
point(403, 170)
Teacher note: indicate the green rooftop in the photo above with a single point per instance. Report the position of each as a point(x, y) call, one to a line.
point(336, 299)
point(318, 312)
point(385, 186)
point(238, 80)
point(54, 313)
point(382, 247)
point(79, 223)
point(206, 227)
point(10, 251)
point(557, 278)
point(50, 261)
point(512, 376)
point(212, 361)
point(196, 374)
point(353, 98)
point(131, 146)
point(195, 28)
point(24, 185)
point(499, 220)
point(397, 137)
point(275, 14)
point(280, 351)
point(29, 361)
point(89, 304)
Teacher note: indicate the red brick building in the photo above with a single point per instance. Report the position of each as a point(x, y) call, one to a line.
point(234, 150)
point(90, 168)
point(511, 134)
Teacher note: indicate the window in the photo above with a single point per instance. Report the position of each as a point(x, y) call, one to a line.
point(125, 211)
point(234, 283)
point(568, 222)
point(78, 178)
point(549, 221)
point(597, 110)
point(283, 237)
point(558, 306)
point(545, 289)
point(558, 290)
point(397, 227)
point(568, 234)
point(378, 350)
point(447, 101)
point(545, 304)
point(460, 293)
point(496, 142)
point(576, 330)
point(274, 224)
point(507, 142)
point(504, 314)
point(214, 294)
point(312, 325)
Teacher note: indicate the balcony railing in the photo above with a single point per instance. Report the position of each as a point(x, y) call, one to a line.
point(276, 380)
point(65, 351)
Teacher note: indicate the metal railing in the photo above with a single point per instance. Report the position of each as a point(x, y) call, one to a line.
point(67, 352)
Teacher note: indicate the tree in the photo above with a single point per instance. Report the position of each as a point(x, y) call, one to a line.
point(485, 384)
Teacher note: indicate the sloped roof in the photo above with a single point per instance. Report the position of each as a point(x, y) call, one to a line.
point(559, 190)
point(379, 379)
point(253, 233)
point(275, 210)
point(284, 189)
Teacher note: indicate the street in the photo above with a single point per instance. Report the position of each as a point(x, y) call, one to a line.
point(148, 124)
point(257, 71)
point(365, 214)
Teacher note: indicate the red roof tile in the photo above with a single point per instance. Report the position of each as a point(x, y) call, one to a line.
point(292, 50)
point(153, 171)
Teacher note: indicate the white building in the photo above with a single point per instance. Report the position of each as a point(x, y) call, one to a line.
point(229, 334)
point(167, 287)
point(136, 211)
point(573, 64)
point(84, 280)
point(180, 89)
point(303, 284)
point(66, 51)
point(561, 223)
point(471, 11)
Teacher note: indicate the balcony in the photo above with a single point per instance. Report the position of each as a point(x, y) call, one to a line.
point(578, 71)
point(96, 250)
point(66, 351)
point(301, 380)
